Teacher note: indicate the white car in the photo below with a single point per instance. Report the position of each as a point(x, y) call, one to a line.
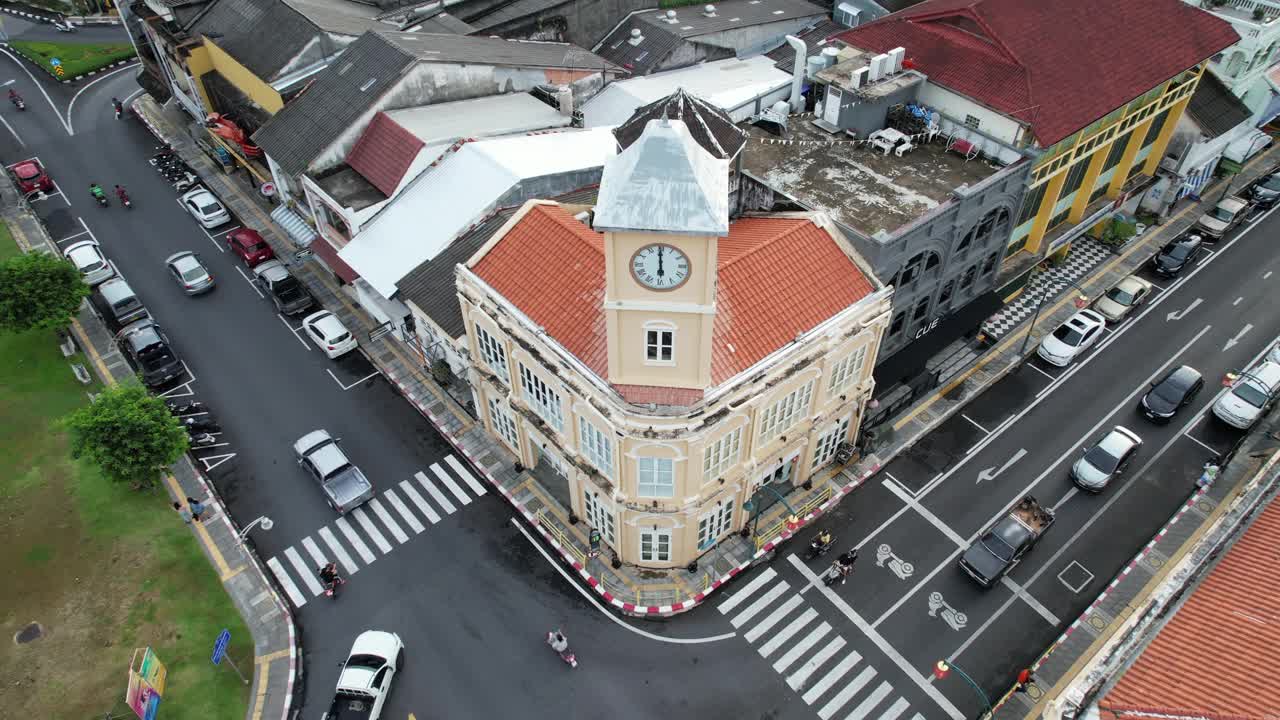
point(364, 683)
point(205, 208)
point(94, 267)
point(329, 333)
point(1071, 338)
point(1250, 394)
point(1128, 294)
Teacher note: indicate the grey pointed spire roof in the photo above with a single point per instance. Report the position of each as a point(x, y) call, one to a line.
point(665, 182)
point(711, 127)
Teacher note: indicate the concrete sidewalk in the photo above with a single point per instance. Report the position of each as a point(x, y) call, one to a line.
point(276, 649)
point(629, 589)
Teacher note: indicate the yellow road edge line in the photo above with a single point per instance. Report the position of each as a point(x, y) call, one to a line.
point(270, 657)
point(92, 352)
point(224, 570)
point(263, 670)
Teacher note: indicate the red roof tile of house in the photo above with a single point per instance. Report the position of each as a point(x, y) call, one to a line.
point(1057, 66)
point(1216, 658)
point(778, 278)
point(383, 153)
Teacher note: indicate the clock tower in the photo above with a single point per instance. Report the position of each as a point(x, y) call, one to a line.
point(663, 205)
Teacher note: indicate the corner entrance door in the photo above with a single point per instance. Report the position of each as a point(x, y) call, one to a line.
point(655, 545)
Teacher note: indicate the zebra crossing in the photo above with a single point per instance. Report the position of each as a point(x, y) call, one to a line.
point(816, 663)
point(389, 516)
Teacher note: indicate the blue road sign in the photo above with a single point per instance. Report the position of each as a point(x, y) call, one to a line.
point(55, 62)
point(220, 647)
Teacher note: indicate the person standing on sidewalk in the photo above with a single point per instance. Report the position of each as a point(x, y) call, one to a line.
point(197, 508)
point(186, 515)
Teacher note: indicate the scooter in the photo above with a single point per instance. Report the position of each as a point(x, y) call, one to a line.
point(839, 571)
point(65, 27)
point(203, 441)
point(818, 548)
point(331, 588)
point(18, 102)
point(188, 408)
point(560, 644)
point(201, 424)
point(102, 200)
point(124, 200)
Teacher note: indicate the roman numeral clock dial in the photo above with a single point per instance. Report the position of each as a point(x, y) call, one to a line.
point(660, 267)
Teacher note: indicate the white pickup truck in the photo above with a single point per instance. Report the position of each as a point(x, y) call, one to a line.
point(365, 681)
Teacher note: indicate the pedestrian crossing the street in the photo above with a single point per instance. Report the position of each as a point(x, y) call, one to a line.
point(809, 655)
point(395, 514)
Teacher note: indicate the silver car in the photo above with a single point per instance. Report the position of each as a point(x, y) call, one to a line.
point(344, 486)
point(1120, 300)
point(192, 276)
point(87, 256)
point(1106, 459)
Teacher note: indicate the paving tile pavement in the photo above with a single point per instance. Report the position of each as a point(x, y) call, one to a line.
point(277, 651)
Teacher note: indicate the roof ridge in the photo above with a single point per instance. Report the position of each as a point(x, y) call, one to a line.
point(578, 229)
point(798, 225)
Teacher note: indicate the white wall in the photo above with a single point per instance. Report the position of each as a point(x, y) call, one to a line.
point(958, 106)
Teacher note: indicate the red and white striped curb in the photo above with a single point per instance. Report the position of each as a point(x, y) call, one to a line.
point(594, 582)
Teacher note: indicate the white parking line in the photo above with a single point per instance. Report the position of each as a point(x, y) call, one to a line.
point(449, 483)
point(327, 535)
point(286, 582)
point(400, 507)
point(363, 550)
point(465, 474)
point(348, 387)
point(1031, 364)
point(1030, 600)
point(975, 423)
point(1237, 302)
point(389, 521)
point(417, 500)
point(1193, 439)
point(929, 517)
point(305, 571)
point(293, 330)
point(371, 530)
point(72, 237)
point(251, 284)
point(438, 496)
point(85, 225)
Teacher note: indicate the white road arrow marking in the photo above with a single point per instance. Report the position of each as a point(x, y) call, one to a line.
point(1179, 314)
point(991, 473)
point(1235, 340)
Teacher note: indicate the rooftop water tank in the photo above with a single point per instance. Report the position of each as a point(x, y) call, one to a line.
point(813, 65)
point(830, 56)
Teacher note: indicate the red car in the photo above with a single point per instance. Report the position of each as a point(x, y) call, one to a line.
point(31, 177)
point(250, 246)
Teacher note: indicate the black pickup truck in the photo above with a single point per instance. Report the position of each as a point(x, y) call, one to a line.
point(1003, 544)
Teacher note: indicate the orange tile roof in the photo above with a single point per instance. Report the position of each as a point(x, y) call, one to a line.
point(1217, 657)
point(778, 278)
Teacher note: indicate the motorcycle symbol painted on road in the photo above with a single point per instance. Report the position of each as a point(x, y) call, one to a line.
point(950, 615)
point(897, 565)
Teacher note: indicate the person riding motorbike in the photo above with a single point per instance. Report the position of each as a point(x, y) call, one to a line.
point(118, 106)
point(14, 97)
point(823, 539)
point(844, 564)
point(97, 192)
point(559, 642)
point(122, 194)
point(329, 574)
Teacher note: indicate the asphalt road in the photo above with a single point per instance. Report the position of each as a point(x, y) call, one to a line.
point(908, 604)
point(19, 28)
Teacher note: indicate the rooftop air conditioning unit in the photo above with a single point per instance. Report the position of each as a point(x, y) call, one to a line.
point(878, 65)
point(896, 56)
point(858, 77)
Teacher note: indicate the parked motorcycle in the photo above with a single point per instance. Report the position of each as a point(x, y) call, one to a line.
point(560, 644)
point(203, 440)
point(201, 424)
point(186, 408)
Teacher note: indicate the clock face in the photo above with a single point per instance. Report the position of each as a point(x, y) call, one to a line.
point(660, 267)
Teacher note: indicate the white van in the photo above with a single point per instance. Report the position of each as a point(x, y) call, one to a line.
point(1250, 395)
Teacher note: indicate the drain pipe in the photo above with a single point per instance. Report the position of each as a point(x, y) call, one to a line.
point(797, 72)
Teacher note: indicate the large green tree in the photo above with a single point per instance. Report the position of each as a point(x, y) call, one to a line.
point(38, 291)
point(129, 434)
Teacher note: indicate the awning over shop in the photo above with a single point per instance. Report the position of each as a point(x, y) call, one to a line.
point(299, 231)
point(1246, 147)
point(912, 359)
point(326, 253)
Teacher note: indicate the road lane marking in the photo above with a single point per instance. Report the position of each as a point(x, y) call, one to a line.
point(1029, 363)
point(293, 330)
point(895, 711)
point(975, 423)
point(772, 619)
point(1266, 275)
point(465, 474)
point(418, 501)
point(875, 698)
point(878, 640)
point(348, 387)
point(65, 125)
point(252, 285)
point(847, 692)
point(71, 237)
point(308, 578)
point(785, 633)
point(755, 584)
point(401, 508)
point(1030, 600)
point(754, 608)
point(371, 530)
point(1066, 496)
point(327, 535)
point(438, 496)
point(1237, 302)
point(71, 105)
point(1193, 439)
point(559, 566)
point(314, 551)
point(840, 670)
point(286, 582)
point(932, 519)
point(389, 521)
point(797, 679)
point(993, 472)
point(361, 549)
point(1236, 340)
point(800, 648)
point(463, 498)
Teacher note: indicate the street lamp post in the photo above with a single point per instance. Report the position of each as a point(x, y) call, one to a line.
point(264, 521)
point(1044, 295)
point(943, 668)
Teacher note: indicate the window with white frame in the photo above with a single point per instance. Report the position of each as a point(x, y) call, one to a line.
point(599, 515)
point(715, 523)
point(493, 354)
point(972, 121)
point(655, 545)
point(596, 446)
point(829, 443)
point(503, 424)
point(780, 416)
point(659, 343)
point(721, 455)
point(657, 477)
point(541, 398)
point(847, 370)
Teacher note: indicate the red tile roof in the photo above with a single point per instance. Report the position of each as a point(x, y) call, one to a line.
point(383, 153)
point(1216, 658)
point(1058, 66)
point(778, 278)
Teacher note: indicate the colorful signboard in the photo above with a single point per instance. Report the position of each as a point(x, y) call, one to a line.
point(146, 684)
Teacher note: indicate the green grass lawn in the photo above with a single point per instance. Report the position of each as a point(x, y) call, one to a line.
point(76, 58)
point(103, 569)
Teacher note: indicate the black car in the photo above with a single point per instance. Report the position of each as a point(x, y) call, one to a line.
point(1177, 256)
point(1170, 394)
point(1267, 191)
point(148, 350)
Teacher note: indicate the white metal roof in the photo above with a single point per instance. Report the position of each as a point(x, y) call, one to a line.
point(727, 84)
point(446, 200)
